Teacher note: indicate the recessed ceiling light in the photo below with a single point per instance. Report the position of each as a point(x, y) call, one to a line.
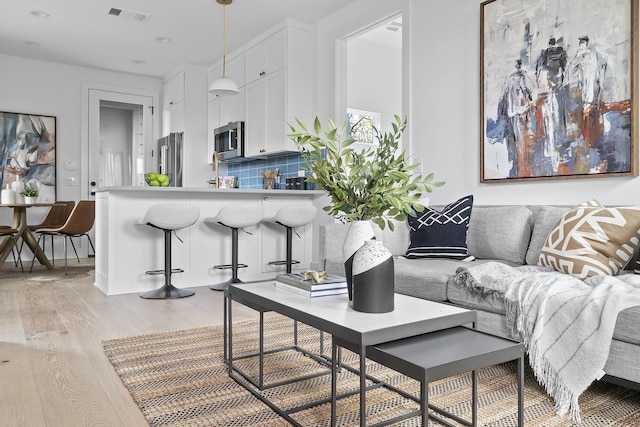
point(39, 14)
point(163, 39)
point(32, 44)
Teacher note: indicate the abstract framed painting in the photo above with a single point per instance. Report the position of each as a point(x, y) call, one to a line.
point(559, 89)
point(28, 152)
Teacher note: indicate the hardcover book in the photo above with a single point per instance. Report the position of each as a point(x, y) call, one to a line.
point(331, 281)
point(311, 294)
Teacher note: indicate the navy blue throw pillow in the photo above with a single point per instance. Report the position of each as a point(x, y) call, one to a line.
point(441, 234)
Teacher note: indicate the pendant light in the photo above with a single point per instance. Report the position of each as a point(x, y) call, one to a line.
point(223, 85)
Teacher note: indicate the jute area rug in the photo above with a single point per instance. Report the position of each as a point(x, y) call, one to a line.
point(179, 378)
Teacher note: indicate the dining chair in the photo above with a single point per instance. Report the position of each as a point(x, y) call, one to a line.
point(56, 217)
point(8, 231)
point(78, 224)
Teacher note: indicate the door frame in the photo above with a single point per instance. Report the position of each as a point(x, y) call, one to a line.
point(92, 94)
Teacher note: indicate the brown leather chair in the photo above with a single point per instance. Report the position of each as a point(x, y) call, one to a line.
point(57, 216)
point(78, 224)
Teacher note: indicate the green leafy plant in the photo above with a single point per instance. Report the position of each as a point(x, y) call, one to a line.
point(30, 192)
point(372, 184)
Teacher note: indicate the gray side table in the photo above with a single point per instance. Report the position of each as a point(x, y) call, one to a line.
point(446, 353)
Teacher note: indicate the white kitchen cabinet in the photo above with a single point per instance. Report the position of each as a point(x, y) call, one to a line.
point(173, 90)
point(266, 57)
point(173, 118)
point(278, 95)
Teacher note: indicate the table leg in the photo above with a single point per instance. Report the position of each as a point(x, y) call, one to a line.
point(5, 248)
point(363, 385)
point(20, 224)
point(334, 379)
point(521, 392)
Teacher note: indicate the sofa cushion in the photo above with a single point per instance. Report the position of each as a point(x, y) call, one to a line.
point(590, 240)
point(441, 234)
point(501, 232)
point(544, 221)
point(424, 278)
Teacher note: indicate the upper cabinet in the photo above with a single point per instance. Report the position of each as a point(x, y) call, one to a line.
point(266, 57)
point(173, 90)
point(277, 90)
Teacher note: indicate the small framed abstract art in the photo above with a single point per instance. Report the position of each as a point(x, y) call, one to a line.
point(558, 89)
point(28, 152)
point(362, 125)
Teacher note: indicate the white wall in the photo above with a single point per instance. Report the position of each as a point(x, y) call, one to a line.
point(443, 83)
point(38, 87)
point(374, 76)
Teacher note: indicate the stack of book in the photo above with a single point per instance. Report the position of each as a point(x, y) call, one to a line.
point(295, 282)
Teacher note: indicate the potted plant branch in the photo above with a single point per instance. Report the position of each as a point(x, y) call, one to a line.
point(375, 183)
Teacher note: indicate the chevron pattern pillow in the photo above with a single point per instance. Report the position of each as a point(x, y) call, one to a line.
point(592, 240)
point(441, 234)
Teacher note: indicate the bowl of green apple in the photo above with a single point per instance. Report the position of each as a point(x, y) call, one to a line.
point(157, 179)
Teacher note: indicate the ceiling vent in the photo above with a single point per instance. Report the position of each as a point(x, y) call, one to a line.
point(394, 26)
point(130, 15)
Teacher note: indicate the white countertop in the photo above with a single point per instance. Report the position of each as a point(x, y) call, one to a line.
point(226, 191)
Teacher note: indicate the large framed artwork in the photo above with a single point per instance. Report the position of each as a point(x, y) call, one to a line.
point(28, 152)
point(558, 89)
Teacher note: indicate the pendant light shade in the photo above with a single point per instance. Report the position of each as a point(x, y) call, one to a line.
point(224, 86)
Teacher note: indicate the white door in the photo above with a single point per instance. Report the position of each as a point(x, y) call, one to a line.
point(124, 163)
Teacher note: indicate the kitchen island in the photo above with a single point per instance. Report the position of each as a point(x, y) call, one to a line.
point(125, 248)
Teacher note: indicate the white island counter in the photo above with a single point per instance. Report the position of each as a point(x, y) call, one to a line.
point(126, 249)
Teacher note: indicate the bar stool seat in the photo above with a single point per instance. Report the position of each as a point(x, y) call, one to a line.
point(290, 217)
point(169, 217)
point(235, 217)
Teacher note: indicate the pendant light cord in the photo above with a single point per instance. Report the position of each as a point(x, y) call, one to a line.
point(224, 40)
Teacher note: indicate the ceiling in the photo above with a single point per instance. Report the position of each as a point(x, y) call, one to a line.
point(83, 33)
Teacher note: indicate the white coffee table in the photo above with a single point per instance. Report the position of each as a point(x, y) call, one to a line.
point(332, 314)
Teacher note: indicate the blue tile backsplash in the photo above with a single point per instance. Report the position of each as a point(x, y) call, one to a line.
point(248, 173)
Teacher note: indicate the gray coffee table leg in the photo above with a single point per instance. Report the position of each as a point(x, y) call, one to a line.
point(521, 392)
point(424, 402)
point(334, 379)
point(363, 385)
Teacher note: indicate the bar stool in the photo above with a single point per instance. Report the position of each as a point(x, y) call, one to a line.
point(290, 217)
point(169, 218)
point(235, 217)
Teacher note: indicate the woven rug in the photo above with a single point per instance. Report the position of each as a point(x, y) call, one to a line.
point(179, 378)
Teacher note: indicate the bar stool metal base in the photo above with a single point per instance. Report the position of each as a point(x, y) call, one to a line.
point(168, 292)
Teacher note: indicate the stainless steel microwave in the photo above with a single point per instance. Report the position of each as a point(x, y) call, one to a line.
point(229, 141)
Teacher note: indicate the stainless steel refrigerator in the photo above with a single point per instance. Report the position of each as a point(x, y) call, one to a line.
point(170, 157)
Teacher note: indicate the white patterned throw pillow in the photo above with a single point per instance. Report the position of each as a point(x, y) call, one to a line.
point(592, 240)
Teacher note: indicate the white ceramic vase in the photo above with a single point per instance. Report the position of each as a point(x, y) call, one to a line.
point(373, 284)
point(359, 232)
point(29, 200)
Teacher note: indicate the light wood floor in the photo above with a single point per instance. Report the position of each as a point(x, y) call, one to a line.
point(52, 368)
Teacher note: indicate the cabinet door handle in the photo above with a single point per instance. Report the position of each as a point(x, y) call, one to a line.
point(262, 73)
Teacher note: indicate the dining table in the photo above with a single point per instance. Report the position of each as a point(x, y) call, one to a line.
point(24, 233)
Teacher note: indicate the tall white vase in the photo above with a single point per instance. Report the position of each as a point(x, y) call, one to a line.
point(359, 232)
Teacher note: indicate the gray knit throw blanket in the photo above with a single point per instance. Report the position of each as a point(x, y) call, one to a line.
point(565, 323)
